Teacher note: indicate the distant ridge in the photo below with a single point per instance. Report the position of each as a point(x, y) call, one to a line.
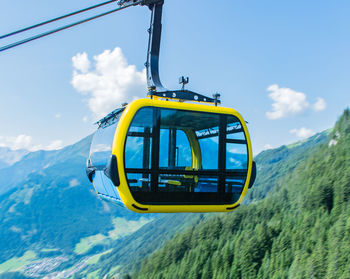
point(8, 156)
point(38, 160)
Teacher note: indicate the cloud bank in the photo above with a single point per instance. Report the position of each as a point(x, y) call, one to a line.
point(302, 133)
point(26, 142)
point(320, 104)
point(109, 82)
point(288, 102)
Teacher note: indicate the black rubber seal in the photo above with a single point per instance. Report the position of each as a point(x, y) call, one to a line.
point(90, 170)
point(111, 170)
point(253, 175)
point(140, 208)
point(231, 208)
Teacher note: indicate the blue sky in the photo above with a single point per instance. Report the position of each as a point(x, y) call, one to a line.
point(284, 65)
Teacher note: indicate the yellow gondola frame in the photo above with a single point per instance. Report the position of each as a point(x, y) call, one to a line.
point(119, 145)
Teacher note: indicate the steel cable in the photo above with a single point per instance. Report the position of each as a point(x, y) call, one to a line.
point(56, 19)
point(27, 40)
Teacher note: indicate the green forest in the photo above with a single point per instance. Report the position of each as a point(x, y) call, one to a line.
point(301, 229)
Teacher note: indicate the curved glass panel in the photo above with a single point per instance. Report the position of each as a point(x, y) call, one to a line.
point(236, 145)
point(101, 146)
point(105, 188)
point(100, 154)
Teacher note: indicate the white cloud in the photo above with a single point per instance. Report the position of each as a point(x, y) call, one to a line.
point(58, 115)
point(319, 105)
point(85, 119)
point(54, 145)
point(74, 182)
point(302, 132)
point(26, 142)
point(15, 143)
point(112, 81)
point(287, 102)
point(81, 62)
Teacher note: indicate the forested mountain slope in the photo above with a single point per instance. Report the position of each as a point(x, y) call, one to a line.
point(52, 219)
point(273, 164)
point(128, 253)
point(301, 230)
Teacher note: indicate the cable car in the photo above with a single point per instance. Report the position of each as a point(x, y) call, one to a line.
point(167, 156)
point(175, 151)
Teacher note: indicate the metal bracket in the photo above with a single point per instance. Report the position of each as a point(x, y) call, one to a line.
point(110, 118)
point(185, 95)
point(124, 3)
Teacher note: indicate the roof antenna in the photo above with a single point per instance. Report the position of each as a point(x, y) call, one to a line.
point(183, 81)
point(216, 97)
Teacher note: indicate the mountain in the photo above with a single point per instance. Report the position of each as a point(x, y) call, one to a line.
point(273, 164)
point(8, 156)
point(41, 160)
point(301, 229)
point(50, 216)
point(129, 252)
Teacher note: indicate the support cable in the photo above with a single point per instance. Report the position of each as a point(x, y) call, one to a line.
point(27, 40)
point(56, 19)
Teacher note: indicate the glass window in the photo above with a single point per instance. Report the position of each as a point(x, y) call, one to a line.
point(164, 148)
point(236, 145)
point(207, 184)
point(143, 119)
point(210, 152)
point(138, 144)
point(174, 149)
point(101, 145)
point(183, 150)
point(236, 156)
point(135, 154)
point(100, 154)
point(234, 129)
point(139, 182)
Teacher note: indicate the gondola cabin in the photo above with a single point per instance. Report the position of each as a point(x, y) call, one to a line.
point(168, 156)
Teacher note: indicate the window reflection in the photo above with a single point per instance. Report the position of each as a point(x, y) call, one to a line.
point(174, 149)
point(210, 152)
point(236, 156)
point(139, 140)
point(101, 146)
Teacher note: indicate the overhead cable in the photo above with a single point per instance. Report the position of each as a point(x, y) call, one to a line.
point(35, 37)
point(56, 19)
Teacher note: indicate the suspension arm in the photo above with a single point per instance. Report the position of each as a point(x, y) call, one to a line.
point(155, 33)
